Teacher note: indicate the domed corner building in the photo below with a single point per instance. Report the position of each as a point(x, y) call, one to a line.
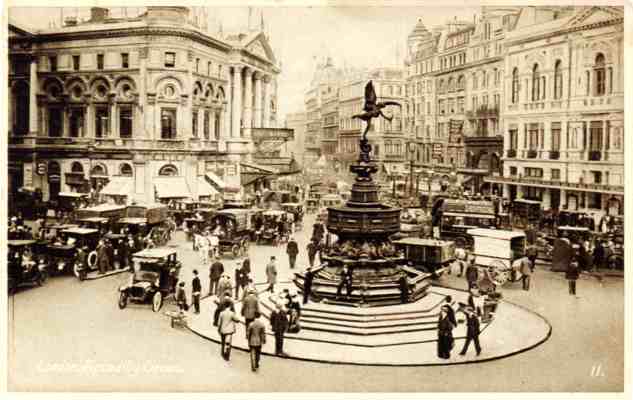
point(144, 108)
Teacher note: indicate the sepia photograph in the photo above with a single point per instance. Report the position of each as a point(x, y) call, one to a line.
point(346, 197)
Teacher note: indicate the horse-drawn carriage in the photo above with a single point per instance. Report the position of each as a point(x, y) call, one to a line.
point(296, 209)
point(148, 220)
point(276, 227)
point(428, 255)
point(234, 230)
point(496, 251)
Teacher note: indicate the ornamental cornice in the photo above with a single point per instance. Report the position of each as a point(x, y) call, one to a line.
point(125, 32)
point(572, 29)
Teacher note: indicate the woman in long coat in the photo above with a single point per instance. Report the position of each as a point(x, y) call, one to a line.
point(445, 327)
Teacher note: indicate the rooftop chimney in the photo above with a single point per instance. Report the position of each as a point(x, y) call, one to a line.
point(99, 14)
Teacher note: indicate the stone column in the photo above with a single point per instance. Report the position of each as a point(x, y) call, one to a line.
point(113, 131)
point(142, 92)
point(547, 199)
point(248, 102)
point(237, 102)
point(212, 116)
point(225, 131)
point(266, 106)
point(257, 111)
point(189, 105)
point(33, 84)
point(201, 112)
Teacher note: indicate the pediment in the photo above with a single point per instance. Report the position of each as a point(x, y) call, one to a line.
point(595, 14)
point(259, 47)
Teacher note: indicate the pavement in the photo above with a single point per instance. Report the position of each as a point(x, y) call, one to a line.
point(71, 336)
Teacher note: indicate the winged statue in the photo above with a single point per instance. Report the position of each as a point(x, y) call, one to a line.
point(373, 109)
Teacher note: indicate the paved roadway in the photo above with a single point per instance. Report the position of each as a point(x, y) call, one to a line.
point(69, 335)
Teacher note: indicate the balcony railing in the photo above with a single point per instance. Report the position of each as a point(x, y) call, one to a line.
point(618, 189)
point(512, 153)
point(554, 155)
point(595, 155)
point(264, 134)
point(532, 154)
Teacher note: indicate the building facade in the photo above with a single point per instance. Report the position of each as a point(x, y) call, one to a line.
point(563, 117)
point(125, 103)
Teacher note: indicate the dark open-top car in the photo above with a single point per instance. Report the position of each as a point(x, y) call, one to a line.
point(154, 278)
point(23, 266)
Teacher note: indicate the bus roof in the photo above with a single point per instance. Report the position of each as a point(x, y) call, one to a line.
point(495, 233)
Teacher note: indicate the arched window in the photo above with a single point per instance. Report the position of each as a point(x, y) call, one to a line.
point(515, 86)
point(441, 86)
point(558, 80)
point(451, 84)
point(54, 168)
point(77, 168)
point(98, 170)
point(126, 170)
point(536, 79)
point(460, 83)
point(168, 170)
point(599, 75)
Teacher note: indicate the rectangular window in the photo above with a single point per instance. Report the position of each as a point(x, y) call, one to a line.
point(197, 65)
point(595, 136)
point(206, 124)
point(54, 122)
point(209, 68)
point(76, 63)
point(125, 121)
point(555, 174)
point(100, 58)
point(102, 118)
point(216, 124)
point(125, 60)
point(168, 123)
point(474, 103)
point(556, 128)
point(514, 139)
point(170, 59)
point(533, 136)
point(597, 176)
point(513, 171)
point(534, 172)
point(76, 122)
point(194, 123)
point(460, 105)
point(53, 63)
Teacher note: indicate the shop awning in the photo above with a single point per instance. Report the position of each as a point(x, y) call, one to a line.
point(215, 181)
point(118, 186)
point(205, 188)
point(259, 168)
point(172, 187)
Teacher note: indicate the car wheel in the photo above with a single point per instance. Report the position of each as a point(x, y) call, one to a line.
point(123, 300)
point(92, 259)
point(42, 278)
point(157, 301)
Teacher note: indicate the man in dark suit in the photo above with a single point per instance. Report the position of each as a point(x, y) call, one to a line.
point(472, 331)
point(292, 249)
point(312, 251)
point(346, 280)
point(250, 307)
point(256, 337)
point(196, 289)
point(215, 272)
point(279, 325)
point(307, 284)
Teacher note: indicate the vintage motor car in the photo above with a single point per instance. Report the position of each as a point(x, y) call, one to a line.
point(83, 260)
point(234, 230)
point(296, 209)
point(156, 272)
point(148, 220)
point(68, 202)
point(102, 216)
point(24, 267)
point(270, 232)
point(497, 250)
point(428, 255)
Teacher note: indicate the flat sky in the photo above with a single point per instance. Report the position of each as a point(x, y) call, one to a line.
point(302, 36)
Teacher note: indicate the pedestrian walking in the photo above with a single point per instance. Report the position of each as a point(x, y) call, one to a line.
point(102, 257)
point(525, 267)
point(472, 273)
point(239, 280)
point(460, 256)
point(279, 325)
point(292, 249)
point(214, 245)
point(222, 304)
point(307, 284)
point(271, 274)
point(196, 289)
point(256, 337)
point(572, 274)
point(250, 307)
point(181, 297)
point(312, 250)
point(532, 254)
point(225, 286)
point(472, 331)
point(204, 248)
point(215, 272)
point(445, 325)
point(226, 329)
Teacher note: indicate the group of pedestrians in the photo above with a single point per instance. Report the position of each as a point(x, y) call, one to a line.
point(447, 322)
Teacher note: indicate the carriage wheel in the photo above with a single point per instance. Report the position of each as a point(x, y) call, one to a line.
point(42, 278)
point(157, 301)
point(235, 250)
point(499, 273)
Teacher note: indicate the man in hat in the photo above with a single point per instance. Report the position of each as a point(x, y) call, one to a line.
point(239, 280)
point(256, 337)
point(472, 273)
point(525, 267)
point(215, 273)
point(292, 249)
point(472, 331)
point(181, 297)
point(250, 307)
point(279, 325)
point(102, 257)
point(223, 303)
point(307, 284)
point(226, 329)
point(271, 274)
point(196, 289)
point(225, 286)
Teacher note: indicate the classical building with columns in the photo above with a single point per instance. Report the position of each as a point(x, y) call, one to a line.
point(149, 107)
point(564, 109)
